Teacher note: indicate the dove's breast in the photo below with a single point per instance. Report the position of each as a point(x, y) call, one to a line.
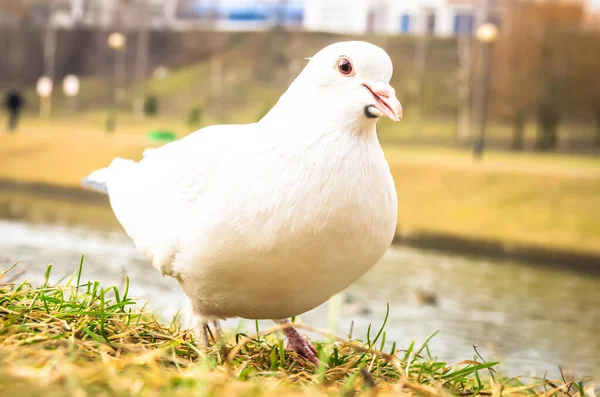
point(288, 235)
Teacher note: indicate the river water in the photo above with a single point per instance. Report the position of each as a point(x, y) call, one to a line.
point(531, 318)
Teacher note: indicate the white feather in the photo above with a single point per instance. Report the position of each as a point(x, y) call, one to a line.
point(148, 151)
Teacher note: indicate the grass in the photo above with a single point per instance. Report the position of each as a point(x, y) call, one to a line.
point(80, 338)
point(513, 198)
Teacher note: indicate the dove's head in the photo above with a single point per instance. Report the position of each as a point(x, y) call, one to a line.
point(353, 78)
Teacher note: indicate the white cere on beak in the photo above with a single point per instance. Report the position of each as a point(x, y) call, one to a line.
point(372, 112)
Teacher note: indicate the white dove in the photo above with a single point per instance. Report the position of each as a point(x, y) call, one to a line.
point(269, 220)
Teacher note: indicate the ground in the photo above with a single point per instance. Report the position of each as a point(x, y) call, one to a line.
point(544, 200)
point(80, 338)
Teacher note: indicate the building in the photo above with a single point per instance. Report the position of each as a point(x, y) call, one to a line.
point(103, 14)
point(440, 17)
point(593, 5)
point(237, 14)
point(437, 17)
point(18, 14)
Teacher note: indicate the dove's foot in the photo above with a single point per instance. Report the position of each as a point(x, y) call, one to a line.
point(217, 334)
point(299, 343)
point(302, 346)
point(205, 336)
point(199, 325)
point(202, 334)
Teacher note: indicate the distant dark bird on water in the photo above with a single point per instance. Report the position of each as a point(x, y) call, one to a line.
point(354, 306)
point(426, 297)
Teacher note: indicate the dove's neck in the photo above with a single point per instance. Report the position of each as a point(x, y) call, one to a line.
point(314, 113)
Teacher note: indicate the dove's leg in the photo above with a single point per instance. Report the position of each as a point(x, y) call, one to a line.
point(201, 333)
point(197, 324)
point(204, 335)
point(299, 343)
point(204, 331)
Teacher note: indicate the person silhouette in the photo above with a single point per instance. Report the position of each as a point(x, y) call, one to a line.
point(13, 103)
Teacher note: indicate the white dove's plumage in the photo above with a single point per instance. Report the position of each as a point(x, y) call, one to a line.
point(269, 220)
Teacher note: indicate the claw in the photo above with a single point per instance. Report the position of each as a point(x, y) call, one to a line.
point(299, 343)
point(304, 348)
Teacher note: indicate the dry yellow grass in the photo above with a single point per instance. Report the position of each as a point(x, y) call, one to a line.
point(522, 199)
point(64, 152)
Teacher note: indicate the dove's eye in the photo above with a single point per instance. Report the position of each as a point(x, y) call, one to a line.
point(344, 66)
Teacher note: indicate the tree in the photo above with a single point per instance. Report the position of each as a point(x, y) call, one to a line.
point(582, 71)
point(535, 44)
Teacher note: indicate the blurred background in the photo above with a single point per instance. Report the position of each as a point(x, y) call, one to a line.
point(496, 161)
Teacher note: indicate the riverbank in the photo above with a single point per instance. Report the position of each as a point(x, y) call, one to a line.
point(83, 338)
point(510, 202)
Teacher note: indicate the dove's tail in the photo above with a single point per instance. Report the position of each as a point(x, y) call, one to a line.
point(97, 181)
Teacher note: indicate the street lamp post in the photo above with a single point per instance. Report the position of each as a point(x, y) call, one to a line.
point(141, 58)
point(44, 90)
point(117, 42)
point(486, 34)
point(71, 90)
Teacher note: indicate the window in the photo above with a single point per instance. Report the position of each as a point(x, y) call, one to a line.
point(371, 19)
point(405, 23)
point(430, 23)
point(464, 23)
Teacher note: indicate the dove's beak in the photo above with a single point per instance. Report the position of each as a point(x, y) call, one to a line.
point(385, 99)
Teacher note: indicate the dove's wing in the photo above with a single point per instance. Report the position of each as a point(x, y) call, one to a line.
point(151, 198)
